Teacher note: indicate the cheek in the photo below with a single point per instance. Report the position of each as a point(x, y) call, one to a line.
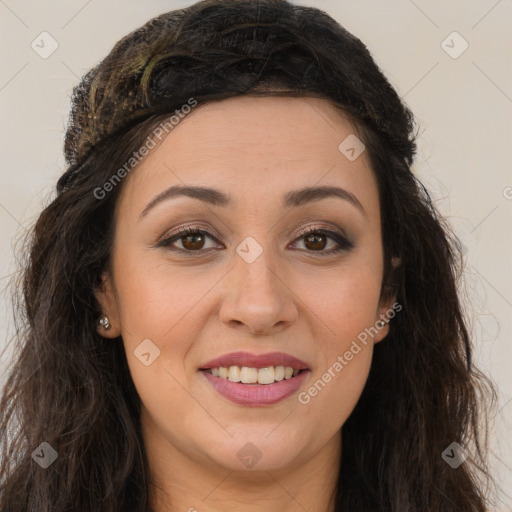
point(346, 308)
point(165, 307)
point(156, 306)
point(156, 300)
point(345, 303)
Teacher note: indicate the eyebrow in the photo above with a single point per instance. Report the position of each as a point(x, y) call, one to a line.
point(291, 199)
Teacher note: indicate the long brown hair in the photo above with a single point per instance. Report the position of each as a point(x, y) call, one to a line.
point(71, 389)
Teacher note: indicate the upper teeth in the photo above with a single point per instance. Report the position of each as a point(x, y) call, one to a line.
point(248, 375)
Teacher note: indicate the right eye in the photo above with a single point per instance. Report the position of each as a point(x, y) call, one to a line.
point(192, 239)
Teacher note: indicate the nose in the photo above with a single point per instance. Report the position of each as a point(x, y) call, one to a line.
point(257, 299)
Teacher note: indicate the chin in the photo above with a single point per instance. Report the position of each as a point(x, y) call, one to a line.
point(254, 452)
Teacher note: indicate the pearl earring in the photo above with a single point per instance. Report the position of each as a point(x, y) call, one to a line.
point(381, 324)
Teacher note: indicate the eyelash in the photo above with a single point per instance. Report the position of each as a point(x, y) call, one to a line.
point(343, 243)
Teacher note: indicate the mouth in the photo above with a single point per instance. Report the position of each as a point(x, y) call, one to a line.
point(256, 380)
point(254, 376)
point(256, 387)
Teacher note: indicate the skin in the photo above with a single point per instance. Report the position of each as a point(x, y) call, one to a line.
point(290, 299)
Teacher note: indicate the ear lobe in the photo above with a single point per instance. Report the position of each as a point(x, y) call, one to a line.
point(382, 331)
point(105, 296)
point(385, 313)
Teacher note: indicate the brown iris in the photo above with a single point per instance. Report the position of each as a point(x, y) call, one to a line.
point(190, 241)
point(316, 240)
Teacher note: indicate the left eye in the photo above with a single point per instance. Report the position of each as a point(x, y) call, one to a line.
point(316, 240)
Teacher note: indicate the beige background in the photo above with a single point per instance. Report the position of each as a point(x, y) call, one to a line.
point(463, 108)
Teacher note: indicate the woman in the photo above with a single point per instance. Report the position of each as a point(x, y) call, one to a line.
point(241, 297)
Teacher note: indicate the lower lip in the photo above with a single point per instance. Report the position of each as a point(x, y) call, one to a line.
point(255, 395)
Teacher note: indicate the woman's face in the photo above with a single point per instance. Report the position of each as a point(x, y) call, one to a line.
point(253, 283)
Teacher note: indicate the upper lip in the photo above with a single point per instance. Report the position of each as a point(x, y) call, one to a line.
point(255, 360)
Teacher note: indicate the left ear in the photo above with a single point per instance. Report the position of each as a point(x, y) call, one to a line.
point(106, 299)
point(388, 307)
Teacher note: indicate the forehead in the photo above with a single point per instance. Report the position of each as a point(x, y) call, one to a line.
point(254, 147)
point(248, 124)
